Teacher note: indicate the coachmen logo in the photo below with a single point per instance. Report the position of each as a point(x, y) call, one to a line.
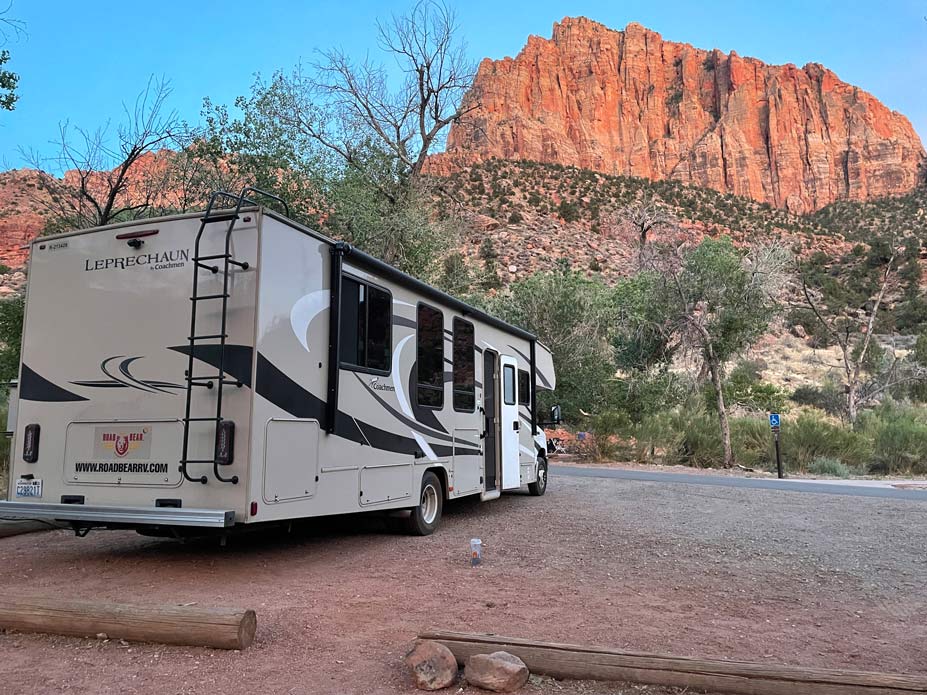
point(122, 442)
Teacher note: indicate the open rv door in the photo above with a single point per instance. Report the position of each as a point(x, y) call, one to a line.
point(510, 425)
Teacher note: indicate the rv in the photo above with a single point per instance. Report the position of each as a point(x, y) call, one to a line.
point(228, 368)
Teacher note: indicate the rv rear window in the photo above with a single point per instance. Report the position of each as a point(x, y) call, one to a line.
point(429, 390)
point(524, 388)
point(508, 384)
point(464, 364)
point(366, 322)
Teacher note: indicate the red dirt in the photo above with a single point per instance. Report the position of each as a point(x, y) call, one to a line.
point(338, 605)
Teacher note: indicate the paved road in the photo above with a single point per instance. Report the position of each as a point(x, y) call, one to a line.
point(828, 488)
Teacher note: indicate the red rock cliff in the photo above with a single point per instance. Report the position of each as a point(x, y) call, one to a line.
point(628, 102)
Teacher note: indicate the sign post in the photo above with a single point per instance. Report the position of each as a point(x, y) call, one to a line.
point(774, 422)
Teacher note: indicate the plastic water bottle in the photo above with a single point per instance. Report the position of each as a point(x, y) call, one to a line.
point(476, 552)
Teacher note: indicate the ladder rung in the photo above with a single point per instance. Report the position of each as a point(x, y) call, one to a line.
point(210, 268)
point(208, 296)
point(212, 258)
point(208, 337)
point(203, 419)
point(201, 378)
point(219, 218)
point(199, 461)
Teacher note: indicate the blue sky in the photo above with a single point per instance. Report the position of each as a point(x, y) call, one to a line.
point(81, 60)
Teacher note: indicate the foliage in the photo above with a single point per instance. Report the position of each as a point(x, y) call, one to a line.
point(11, 327)
point(899, 438)
point(827, 465)
point(8, 83)
point(744, 388)
point(710, 302)
point(827, 397)
point(571, 314)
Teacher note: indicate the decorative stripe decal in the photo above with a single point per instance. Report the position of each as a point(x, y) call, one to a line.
point(279, 389)
point(237, 362)
point(33, 387)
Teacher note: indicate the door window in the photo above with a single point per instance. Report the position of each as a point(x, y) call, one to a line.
point(508, 384)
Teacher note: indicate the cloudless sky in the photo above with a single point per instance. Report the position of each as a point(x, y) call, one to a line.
point(80, 61)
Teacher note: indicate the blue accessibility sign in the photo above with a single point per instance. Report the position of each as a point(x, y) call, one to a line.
point(774, 420)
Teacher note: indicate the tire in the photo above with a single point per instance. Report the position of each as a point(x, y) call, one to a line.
point(425, 518)
point(539, 487)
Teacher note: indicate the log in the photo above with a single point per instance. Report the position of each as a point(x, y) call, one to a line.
point(745, 678)
point(222, 628)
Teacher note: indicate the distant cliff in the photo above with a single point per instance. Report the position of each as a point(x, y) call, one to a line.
point(628, 102)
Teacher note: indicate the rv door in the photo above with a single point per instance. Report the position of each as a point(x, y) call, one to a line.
point(511, 473)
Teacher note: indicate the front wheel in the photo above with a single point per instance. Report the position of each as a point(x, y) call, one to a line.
point(539, 487)
point(424, 519)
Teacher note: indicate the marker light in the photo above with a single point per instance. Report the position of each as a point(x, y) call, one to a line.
point(31, 443)
point(225, 443)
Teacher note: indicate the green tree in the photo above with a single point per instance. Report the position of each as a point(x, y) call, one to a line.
point(9, 80)
point(11, 332)
point(710, 302)
point(572, 315)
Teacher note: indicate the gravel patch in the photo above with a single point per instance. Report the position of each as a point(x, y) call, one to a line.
point(784, 577)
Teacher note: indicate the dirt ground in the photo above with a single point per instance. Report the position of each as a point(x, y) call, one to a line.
point(783, 577)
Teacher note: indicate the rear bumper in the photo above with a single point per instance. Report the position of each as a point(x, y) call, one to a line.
point(132, 516)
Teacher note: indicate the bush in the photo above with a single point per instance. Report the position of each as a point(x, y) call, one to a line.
point(825, 465)
point(568, 211)
point(605, 442)
point(827, 397)
point(809, 436)
point(899, 439)
point(515, 217)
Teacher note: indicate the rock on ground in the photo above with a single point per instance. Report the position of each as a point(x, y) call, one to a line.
point(500, 672)
point(433, 666)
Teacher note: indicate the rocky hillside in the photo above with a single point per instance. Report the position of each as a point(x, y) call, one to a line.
point(628, 102)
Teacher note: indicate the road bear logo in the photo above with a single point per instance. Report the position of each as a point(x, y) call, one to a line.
point(121, 445)
point(124, 442)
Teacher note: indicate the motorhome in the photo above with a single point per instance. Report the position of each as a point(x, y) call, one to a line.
point(233, 367)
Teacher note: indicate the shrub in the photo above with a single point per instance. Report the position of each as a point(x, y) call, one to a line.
point(899, 439)
point(826, 465)
point(826, 397)
point(752, 442)
point(515, 217)
point(568, 211)
point(810, 436)
point(605, 442)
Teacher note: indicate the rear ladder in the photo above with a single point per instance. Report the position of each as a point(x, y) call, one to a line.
point(213, 215)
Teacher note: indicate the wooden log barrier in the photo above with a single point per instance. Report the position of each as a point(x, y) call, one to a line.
point(745, 678)
point(222, 628)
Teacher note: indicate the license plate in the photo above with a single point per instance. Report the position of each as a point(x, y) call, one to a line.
point(28, 488)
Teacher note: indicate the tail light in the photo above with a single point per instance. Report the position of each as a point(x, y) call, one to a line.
point(31, 443)
point(225, 443)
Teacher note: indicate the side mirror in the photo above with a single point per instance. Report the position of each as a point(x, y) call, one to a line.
point(555, 416)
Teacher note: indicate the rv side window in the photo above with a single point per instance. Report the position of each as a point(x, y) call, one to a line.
point(508, 384)
point(366, 320)
point(524, 388)
point(464, 364)
point(429, 390)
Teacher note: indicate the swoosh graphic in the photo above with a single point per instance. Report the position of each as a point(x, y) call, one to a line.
point(304, 310)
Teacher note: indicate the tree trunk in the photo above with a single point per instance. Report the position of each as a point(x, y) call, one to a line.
point(714, 368)
point(852, 401)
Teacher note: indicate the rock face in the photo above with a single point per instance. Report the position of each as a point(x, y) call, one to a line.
point(628, 102)
point(433, 665)
point(500, 672)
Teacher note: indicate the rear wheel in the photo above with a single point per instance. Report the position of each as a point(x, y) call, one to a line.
point(424, 519)
point(539, 487)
